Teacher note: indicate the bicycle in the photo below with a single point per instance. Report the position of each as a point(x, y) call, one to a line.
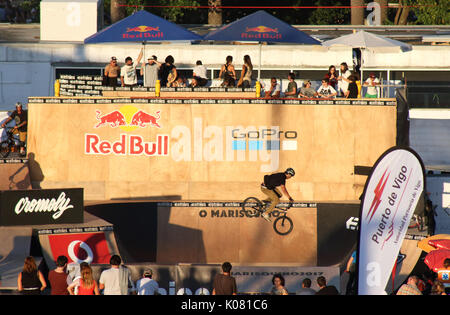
point(7, 146)
point(282, 225)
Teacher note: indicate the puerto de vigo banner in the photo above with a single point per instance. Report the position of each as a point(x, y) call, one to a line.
point(390, 197)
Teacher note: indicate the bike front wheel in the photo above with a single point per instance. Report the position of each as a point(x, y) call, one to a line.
point(4, 149)
point(252, 206)
point(283, 225)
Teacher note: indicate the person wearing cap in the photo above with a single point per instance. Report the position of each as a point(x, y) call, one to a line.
point(372, 82)
point(20, 116)
point(270, 188)
point(307, 91)
point(146, 285)
point(150, 71)
point(112, 72)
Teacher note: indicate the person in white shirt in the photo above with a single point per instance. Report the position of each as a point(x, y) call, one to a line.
point(343, 79)
point(128, 74)
point(326, 90)
point(372, 82)
point(146, 285)
point(117, 279)
point(275, 89)
point(199, 76)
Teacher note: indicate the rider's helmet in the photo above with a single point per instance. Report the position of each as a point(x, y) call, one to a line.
point(290, 171)
point(19, 104)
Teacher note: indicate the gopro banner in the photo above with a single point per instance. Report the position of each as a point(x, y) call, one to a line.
point(389, 200)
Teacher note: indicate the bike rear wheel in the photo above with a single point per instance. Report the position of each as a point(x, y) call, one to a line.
point(252, 206)
point(4, 149)
point(283, 225)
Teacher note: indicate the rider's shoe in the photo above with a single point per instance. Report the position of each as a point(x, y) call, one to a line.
point(266, 217)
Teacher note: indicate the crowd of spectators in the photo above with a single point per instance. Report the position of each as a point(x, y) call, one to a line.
point(116, 280)
point(345, 84)
point(18, 12)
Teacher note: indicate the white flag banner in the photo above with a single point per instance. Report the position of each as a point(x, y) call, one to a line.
point(390, 198)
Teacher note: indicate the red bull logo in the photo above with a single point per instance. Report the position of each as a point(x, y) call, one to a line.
point(261, 32)
point(261, 29)
point(127, 118)
point(143, 31)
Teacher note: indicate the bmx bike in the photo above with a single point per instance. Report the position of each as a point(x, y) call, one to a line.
point(8, 145)
point(283, 225)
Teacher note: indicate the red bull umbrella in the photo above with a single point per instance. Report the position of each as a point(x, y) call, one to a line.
point(261, 27)
point(142, 26)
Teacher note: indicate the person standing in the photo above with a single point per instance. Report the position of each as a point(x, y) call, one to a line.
point(128, 74)
point(343, 79)
point(112, 72)
point(31, 281)
point(20, 117)
point(117, 279)
point(332, 77)
point(86, 283)
point(372, 82)
point(324, 289)
point(306, 288)
point(150, 71)
point(224, 283)
point(146, 285)
point(351, 270)
point(410, 288)
point(278, 285)
point(58, 278)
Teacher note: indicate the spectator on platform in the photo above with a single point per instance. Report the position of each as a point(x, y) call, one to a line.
point(199, 77)
point(224, 283)
point(179, 82)
point(372, 82)
point(306, 288)
point(292, 86)
point(246, 73)
point(307, 91)
point(343, 80)
point(410, 288)
point(150, 71)
point(86, 284)
point(228, 72)
point(128, 74)
point(20, 117)
point(112, 72)
point(31, 281)
point(58, 278)
point(332, 77)
point(326, 90)
point(324, 289)
point(352, 91)
point(146, 285)
point(117, 279)
point(274, 90)
point(168, 72)
point(278, 285)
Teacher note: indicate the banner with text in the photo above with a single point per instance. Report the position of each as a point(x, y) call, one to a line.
point(390, 198)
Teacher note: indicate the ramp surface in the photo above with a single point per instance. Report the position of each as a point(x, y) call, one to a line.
point(14, 176)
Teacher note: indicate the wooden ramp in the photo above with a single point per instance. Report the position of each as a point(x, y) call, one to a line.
point(14, 176)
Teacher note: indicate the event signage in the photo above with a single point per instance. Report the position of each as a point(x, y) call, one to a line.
point(39, 207)
point(390, 197)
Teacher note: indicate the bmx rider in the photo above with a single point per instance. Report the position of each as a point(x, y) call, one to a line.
point(270, 189)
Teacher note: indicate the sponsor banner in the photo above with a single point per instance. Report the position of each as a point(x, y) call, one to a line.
point(390, 197)
point(81, 247)
point(258, 279)
point(40, 207)
point(143, 100)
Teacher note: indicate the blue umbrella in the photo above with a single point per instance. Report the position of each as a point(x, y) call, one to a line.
point(261, 27)
point(142, 26)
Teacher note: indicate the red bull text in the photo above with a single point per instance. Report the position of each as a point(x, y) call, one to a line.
point(143, 31)
point(261, 32)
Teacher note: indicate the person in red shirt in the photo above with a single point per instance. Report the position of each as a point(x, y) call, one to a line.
point(58, 278)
